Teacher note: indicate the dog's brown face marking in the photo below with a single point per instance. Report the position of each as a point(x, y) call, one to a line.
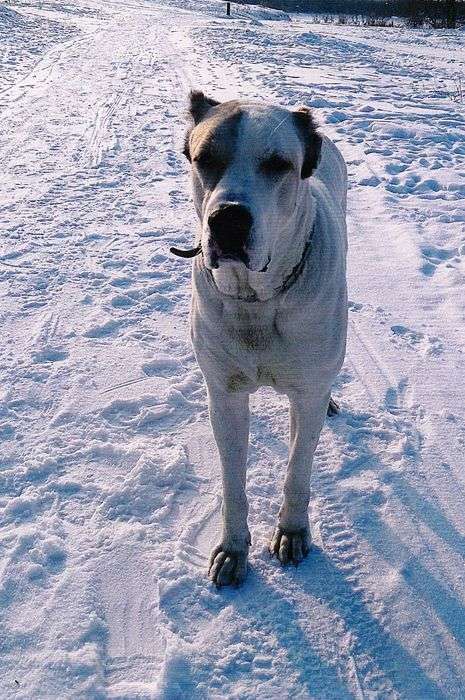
point(212, 122)
point(211, 145)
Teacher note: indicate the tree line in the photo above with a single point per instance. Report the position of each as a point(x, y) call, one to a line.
point(436, 13)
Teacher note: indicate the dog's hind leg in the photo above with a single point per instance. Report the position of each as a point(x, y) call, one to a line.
point(291, 539)
point(333, 408)
point(229, 416)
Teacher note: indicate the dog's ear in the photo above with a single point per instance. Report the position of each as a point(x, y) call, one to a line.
point(310, 137)
point(199, 105)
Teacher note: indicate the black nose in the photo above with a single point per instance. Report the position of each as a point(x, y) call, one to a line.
point(230, 226)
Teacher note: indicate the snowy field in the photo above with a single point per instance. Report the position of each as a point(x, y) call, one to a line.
point(109, 479)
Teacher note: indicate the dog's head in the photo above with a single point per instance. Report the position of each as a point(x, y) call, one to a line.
point(249, 161)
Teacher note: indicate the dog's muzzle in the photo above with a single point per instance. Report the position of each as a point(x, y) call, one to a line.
point(230, 226)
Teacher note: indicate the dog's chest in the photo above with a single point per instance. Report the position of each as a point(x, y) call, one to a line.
point(253, 329)
point(261, 349)
point(253, 333)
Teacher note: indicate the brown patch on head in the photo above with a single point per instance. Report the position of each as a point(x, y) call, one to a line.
point(214, 133)
point(311, 139)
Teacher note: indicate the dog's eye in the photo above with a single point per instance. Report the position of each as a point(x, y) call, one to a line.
point(208, 161)
point(275, 165)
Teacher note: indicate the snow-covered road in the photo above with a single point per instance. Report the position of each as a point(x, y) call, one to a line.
point(109, 479)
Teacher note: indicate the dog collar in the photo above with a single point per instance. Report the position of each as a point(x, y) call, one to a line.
point(297, 269)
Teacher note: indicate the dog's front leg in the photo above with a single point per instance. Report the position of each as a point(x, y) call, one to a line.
point(229, 416)
point(291, 539)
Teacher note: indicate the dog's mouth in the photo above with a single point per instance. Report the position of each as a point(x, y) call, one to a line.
point(218, 257)
point(216, 260)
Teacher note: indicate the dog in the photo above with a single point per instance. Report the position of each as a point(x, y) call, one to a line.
point(269, 301)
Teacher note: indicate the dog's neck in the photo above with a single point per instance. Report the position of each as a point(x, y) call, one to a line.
point(235, 280)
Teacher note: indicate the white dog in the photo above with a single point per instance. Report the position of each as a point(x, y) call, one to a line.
point(269, 303)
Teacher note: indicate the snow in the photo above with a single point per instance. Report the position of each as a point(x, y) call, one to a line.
point(109, 478)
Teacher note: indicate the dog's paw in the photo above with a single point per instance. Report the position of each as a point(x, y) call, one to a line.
point(227, 568)
point(290, 547)
point(333, 408)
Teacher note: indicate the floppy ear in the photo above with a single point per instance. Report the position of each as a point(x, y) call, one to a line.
point(199, 106)
point(310, 137)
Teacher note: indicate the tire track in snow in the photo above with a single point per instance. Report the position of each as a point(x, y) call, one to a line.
point(38, 74)
point(362, 616)
point(114, 610)
point(101, 130)
point(385, 667)
point(102, 133)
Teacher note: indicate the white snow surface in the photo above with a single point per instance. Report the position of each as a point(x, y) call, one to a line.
point(110, 492)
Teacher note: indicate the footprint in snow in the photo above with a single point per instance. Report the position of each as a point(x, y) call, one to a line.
point(163, 367)
point(177, 197)
point(435, 256)
point(33, 561)
point(395, 168)
point(49, 355)
point(121, 301)
point(152, 488)
point(102, 330)
point(415, 340)
point(173, 163)
point(121, 281)
point(155, 413)
point(188, 604)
